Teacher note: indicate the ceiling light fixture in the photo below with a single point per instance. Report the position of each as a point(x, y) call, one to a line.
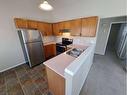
point(45, 6)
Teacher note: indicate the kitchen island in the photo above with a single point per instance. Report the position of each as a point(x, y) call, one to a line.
point(66, 74)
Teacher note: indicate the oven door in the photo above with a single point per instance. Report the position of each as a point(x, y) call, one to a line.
point(60, 49)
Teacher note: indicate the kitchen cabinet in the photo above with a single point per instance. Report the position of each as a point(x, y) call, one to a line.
point(64, 25)
point(78, 27)
point(20, 23)
point(56, 82)
point(41, 28)
point(59, 27)
point(45, 28)
point(56, 29)
point(67, 24)
point(89, 26)
point(32, 24)
point(48, 29)
point(75, 27)
point(50, 51)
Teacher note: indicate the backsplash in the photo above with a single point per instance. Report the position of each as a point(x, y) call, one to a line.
point(78, 39)
point(47, 39)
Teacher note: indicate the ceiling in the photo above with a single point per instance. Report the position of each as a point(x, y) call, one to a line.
point(69, 9)
point(66, 9)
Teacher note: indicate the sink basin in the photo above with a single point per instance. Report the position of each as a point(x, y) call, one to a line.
point(75, 52)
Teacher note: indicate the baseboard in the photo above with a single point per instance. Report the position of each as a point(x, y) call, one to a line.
point(12, 67)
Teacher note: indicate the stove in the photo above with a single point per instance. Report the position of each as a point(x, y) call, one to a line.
point(63, 46)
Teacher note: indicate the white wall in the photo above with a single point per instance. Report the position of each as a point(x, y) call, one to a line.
point(69, 9)
point(10, 50)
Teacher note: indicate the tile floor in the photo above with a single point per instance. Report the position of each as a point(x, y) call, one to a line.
point(24, 81)
point(106, 77)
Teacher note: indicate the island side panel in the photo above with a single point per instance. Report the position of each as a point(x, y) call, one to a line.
point(56, 82)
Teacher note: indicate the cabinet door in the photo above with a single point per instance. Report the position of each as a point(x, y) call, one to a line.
point(20, 23)
point(76, 27)
point(89, 26)
point(64, 25)
point(56, 29)
point(67, 24)
point(61, 26)
point(48, 29)
point(45, 28)
point(32, 24)
point(46, 52)
point(50, 51)
point(41, 28)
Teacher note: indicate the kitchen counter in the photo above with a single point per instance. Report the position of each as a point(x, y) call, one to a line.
point(47, 43)
point(62, 61)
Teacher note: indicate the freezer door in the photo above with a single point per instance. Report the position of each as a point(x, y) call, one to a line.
point(35, 53)
point(31, 36)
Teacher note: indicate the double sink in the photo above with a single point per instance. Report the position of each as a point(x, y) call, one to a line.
point(75, 52)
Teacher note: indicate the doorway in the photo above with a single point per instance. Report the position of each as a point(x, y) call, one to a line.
point(117, 42)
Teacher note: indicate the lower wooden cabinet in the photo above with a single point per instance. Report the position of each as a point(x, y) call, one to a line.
point(50, 51)
point(56, 82)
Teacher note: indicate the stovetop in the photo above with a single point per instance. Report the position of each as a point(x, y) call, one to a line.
point(65, 42)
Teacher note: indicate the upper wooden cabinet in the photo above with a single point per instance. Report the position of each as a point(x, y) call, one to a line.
point(89, 26)
point(32, 24)
point(64, 25)
point(41, 28)
point(45, 28)
point(56, 29)
point(67, 24)
point(48, 28)
point(75, 27)
point(59, 27)
point(20, 23)
point(78, 27)
point(23, 23)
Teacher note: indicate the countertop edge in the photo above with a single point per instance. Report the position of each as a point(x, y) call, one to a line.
point(54, 70)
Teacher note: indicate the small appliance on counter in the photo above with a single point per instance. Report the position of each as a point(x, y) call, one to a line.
point(63, 46)
point(32, 46)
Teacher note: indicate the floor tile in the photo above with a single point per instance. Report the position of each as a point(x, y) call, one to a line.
point(15, 90)
point(3, 90)
point(31, 89)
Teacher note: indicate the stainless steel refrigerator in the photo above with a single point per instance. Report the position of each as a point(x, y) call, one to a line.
point(32, 46)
